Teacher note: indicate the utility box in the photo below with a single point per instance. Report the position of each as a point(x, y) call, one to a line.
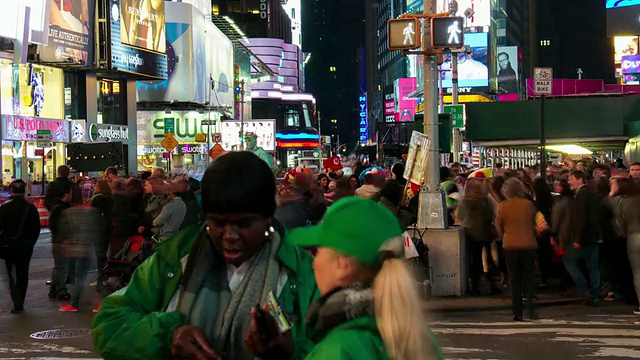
point(448, 261)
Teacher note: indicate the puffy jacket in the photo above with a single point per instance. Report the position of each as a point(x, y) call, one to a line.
point(132, 323)
point(357, 339)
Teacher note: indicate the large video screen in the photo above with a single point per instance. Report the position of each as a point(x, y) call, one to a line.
point(481, 11)
point(622, 18)
point(612, 4)
point(142, 24)
point(143, 52)
point(473, 69)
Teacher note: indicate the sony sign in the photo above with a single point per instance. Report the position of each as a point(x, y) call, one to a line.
point(100, 132)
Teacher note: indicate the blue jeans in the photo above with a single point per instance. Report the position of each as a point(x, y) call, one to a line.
point(590, 254)
point(60, 272)
point(82, 267)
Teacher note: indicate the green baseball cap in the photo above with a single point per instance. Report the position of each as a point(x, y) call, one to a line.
point(355, 227)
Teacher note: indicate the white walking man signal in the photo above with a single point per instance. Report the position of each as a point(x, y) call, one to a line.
point(408, 33)
point(453, 31)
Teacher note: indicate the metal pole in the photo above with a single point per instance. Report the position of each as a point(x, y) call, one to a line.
point(430, 86)
point(44, 176)
point(242, 115)
point(543, 139)
point(457, 136)
point(440, 91)
point(209, 126)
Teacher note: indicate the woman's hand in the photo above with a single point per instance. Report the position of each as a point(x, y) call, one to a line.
point(190, 343)
point(265, 340)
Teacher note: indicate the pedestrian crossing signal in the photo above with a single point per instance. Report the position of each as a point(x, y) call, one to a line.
point(447, 32)
point(404, 34)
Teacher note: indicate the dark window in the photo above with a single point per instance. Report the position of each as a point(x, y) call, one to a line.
point(112, 101)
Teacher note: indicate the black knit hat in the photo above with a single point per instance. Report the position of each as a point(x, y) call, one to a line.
point(239, 182)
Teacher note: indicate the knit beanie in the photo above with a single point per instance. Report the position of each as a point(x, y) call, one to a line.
point(239, 182)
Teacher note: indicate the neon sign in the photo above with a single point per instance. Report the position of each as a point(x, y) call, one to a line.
point(364, 124)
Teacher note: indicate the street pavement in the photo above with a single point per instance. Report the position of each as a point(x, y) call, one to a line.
point(565, 332)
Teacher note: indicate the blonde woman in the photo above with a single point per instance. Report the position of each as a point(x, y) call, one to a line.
point(369, 307)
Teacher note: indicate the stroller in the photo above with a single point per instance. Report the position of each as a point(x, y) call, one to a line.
point(119, 269)
point(420, 266)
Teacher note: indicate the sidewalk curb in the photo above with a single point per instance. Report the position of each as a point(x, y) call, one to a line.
point(506, 306)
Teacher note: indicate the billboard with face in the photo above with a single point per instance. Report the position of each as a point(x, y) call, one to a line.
point(473, 70)
point(508, 79)
point(138, 40)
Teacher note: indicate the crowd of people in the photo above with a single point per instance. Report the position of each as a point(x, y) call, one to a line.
point(582, 212)
point(323, 255)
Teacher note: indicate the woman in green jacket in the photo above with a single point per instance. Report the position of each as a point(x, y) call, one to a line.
point(193, 298)
point(370, 307)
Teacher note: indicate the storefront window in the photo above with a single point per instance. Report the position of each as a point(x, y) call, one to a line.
point(20, 162)
point(18, 83)
point(112, 102)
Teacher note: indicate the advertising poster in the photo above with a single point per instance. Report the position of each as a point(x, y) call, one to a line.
point(70, 32)
point(508, 81)
point(624, 46)
point(264, 129)
point(405, 105)
point(137, 60)
point(473, 70)
point(142, 24)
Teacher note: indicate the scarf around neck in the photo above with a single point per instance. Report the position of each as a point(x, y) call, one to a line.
point(207, 301)
point(340, 306)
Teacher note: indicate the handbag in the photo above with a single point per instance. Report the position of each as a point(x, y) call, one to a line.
point(8, 242)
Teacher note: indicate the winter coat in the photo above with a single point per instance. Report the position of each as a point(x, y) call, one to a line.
point(357, 339)
point(133, 322)
point(476, 216)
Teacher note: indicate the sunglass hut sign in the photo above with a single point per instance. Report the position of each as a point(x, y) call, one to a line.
point(108, 133)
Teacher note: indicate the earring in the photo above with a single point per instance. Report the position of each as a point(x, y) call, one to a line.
point(269, 232)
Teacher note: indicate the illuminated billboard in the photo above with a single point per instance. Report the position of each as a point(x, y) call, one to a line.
point(265, 131)
point(191, 36)
point(624, 46)
point(481, 10)
point(622, 18)
point(13, 13)
point(70, 33)
point(612, 4)
point(142, 52)
point(142, 24)
point(508, 75)
point(473, 69)
point(405, 104)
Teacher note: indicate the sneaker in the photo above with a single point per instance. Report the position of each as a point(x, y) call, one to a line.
point(636, 311)
point(68, 308)
point(611, 296)
point(93, 284)
point(96, 309)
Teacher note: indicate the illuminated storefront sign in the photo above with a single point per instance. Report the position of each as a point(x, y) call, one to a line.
point(364, 125)
point(630, 64)
point(25, 128)
point(100, 132)
point(182, 149)
point(150, 128)
point(78, 131)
